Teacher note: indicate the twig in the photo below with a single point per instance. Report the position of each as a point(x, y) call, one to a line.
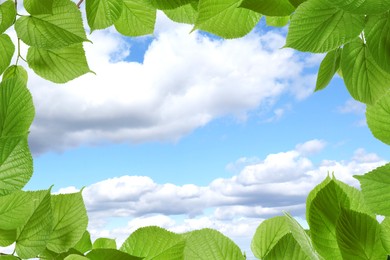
point(79, 3)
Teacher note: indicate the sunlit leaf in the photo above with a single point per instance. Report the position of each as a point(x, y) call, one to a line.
point(103, 242)
point(103, 13)
point(385, 234)
point(286, 248)
point(110, 254)
point(313, 194)
point(269, 7)
point(320, 27)
point(329, 66)
point(76, 257)
point(7, 15)
point(378, 118)
point(138, 18)
point(277, 21)
point(225, 19)
point(184, 14)
point(7, 237)
point(15, 209)
point(7, 49)
point(16, 71)
point(362, 6)
point(169, 4)
point(84, 243)
point(35, 7)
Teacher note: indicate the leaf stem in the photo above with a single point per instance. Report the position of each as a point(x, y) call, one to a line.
point(79, 3)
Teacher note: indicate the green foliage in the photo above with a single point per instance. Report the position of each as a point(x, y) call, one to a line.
point(184, 14)
point(277, 21)
point(329, 66)
point(7, 15)
point(7, 49)
point(103, 242)
point(269, 7)
point(102, 14)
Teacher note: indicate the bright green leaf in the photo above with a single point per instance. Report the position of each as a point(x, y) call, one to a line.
point(16, 71)
point(154, 243)
point(364, 79)
point(48, 254)
point(286, 248)
point(69, 220)
point(358, 236)
point(209, 244)
point(378, 118)
point(35, 7)
point(75, 257)
point(7, 15)
point(319, 27)
point(58, 65)
point(329, 66)
point(138, 18)
point(7, 237)
point(267, 235)
point(313, 194)
point(277, 21)
point(16, 166)
point(9, 257)
point(15, 209)
point(269, 7)
point(376, 189)
point(377, 35)
point(184, 14)
point(103, 13)
point(63, 28)
point(84, 243)
point(33, 236)
point(362, 6)
point(323, 215)
point(110, 254)
point(302, 238)
point(169, 4)
point(103, 242)
point(225, 19)
point(7, 49)
point(385, 234)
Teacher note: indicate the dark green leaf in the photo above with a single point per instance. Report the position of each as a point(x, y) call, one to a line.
point(58, 65)
point(296, 3)
point(48, 254)
point(103, 242)
point(7, 49)
point(184, 14)
point(35, 7)
point(7, 15)
point(319, 27)
point(329, 66)
point(103, 13)
point(138, 18)
point(269, 7)
point(225, 19)
point(7, 237)
point(63, 28)
point(169, 4)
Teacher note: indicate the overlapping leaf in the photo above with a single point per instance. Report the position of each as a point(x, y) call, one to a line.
point(110, 254)
point(69, 221)
point(154, 243)
point(320, 27)
point(84, 244)
point(35, 7)
point(225, 19)
point(184, 14)
point(15, 209)
point(103, 13)
point(313, 194)
point(329, 66)
point(362, 6)
point(7, 49)
point(138, 18)
point(269, 7)
point(277, 21)
point(378, 118)
point(58, 65)
point(103, 242)
point(268, 234)
point(16, 71)
point(385, 234)
point(169, 4)
point(7, 15)
point(286, 248)
point(62, 28)
point(7, 237)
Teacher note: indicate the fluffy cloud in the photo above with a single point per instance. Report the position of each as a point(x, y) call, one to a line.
point(185, 81)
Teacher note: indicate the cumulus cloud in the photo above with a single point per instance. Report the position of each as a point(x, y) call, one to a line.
point(185, 81)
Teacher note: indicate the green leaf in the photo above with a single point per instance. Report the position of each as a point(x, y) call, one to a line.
point(7, 237)
point(364, 79)
point(103, 242)
point(110, 254)
point(138, 18)
point(362, 6)
point(9, 257)
point(103, 13)
point(329, 66)
point(35, 7)
point(69, 220)
point(324, 212)
point(376, 189)
point(154, 243)
point(76, 257)
point(358, 236)
point(7, 15)
point(269, 7)
point(313, 194)
point(184, 14)
point(286, 248)
point(58, 65)
point(7, 49)
point(15, 209)
point(33, 236)
point(378, 118)
point(17, 109)
point(169, 4)
point(296, 3)
point(385, 234)
point(62, 28)
point(16, 166)
point(319, 27)
point(17, 72)
point(301, 238)
point(377, 35)
point(267, 235)
point(209, 244)
point(48, 254)
point(277, 21)
point(225, 19)
point(84, 243)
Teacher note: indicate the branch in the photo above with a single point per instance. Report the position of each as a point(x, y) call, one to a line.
point(79, 3)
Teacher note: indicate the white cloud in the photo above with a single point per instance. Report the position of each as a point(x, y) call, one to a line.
point(352, 106)
point(185, 81)
point(311, 147)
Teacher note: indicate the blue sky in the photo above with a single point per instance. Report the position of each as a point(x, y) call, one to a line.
point(186, 131)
